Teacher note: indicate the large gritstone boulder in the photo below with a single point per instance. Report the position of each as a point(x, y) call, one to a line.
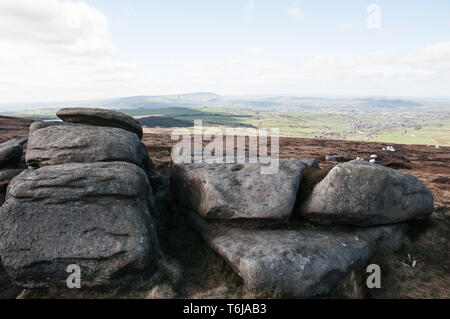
point(365, 194)
point(11, 152)
point(100, 117)
point(60, 143)
point(296, 263)
point(94, 215)
point(7, 175)
point(230, 191)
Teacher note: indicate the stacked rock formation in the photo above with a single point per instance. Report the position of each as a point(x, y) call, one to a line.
point(85, 200)
point(11, 153)
point(245, 217)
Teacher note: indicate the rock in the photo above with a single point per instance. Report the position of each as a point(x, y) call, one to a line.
point(365, 194)
point(38, 125)
point(160, 185)
point(310, 162)
point(100, 117)
point(7, 289)
point(334, 158)
point(11, 152)
point(295, 260)
point(229, 191)
point(8, 174)
point(94, 215)
point(146, 161)
point(298, 263)
point(62, 143)
point(388, 237)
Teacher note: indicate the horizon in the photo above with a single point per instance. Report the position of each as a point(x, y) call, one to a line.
point(96, 49)
point(37, 104)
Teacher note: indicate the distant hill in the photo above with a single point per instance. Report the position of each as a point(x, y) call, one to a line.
point(211, 100)
point(163, 122)
point(133, 102)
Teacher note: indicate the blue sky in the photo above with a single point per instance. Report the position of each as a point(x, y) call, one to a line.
point(107, 48)
point(225, 28)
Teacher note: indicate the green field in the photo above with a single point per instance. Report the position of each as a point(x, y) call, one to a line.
point(370, 119)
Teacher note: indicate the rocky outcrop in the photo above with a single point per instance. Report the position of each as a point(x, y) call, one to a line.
point(86, 200)
point(296, 262)
point(230, 191)
point(243, 216)
point(365, 194)
point(94, 215)
point(53, 144)
point(100, 117)
point(11, 152)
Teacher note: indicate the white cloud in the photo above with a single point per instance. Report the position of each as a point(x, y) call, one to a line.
point(255, 50)
point(295, 11)
point(49, 45)
point(423, 72)
point(49, 29)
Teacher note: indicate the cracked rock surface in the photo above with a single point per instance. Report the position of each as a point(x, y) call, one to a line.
point(94, 215)
point(365, 194)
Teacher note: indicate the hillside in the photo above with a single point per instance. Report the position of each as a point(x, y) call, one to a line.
point(390, 120)
point(192, 271)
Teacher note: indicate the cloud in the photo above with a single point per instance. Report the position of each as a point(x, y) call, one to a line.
point(62, 50)
point(422, 72)
point(49, 29)
point(47, 44)
point(255, 50)
point(295, 11)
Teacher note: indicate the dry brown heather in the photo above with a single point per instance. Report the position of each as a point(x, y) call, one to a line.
point(189, 269)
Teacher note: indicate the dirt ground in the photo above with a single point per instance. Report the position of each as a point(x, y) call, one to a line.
point(189, 269)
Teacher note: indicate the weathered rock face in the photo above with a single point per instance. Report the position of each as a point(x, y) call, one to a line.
point(297, 263)
point(53, 144)
point(8, 174)
point(11, 152)
point(229, 191)
point(364, 194)
point(100, 117)
point(94, 215)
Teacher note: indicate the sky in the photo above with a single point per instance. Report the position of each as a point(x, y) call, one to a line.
point(54, 50)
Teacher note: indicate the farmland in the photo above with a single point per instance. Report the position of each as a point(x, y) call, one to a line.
point(402, 121)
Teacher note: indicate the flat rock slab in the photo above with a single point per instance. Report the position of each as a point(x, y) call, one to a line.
point(297, 263)
point(366, 194)
point(230, 191)
point(100, 117)
point(96, 216)
point(60, 143)
point(11, 152)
